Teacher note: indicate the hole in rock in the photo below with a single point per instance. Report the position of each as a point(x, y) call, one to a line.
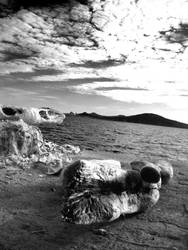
point(53, 112)
point(19, 111)
point(9, 111)
point(40, 3)
point(43, 114)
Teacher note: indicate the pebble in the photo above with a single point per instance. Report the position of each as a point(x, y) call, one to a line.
point(100, 231)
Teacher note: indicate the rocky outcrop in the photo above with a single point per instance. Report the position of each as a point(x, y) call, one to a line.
point(23, 145)
point(20, 139)
point(31, 115)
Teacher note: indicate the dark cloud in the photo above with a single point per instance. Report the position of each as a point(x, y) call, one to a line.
point(78, 81)
point(28, 76)
point(74, 82)
point(42, 3)
point(15, 55)
point(99, 64)
point(37, 72)
point(177, 35)
point(17, 4)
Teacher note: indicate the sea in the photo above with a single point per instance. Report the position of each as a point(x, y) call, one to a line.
point(101, 139)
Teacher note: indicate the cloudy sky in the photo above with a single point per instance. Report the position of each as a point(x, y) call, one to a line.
point(134, 61)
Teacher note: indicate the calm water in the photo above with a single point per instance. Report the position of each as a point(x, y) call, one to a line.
point(119, 140)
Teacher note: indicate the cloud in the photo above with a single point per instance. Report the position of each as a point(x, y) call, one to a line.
point(120, 88)
point(16, 92)
point(48, 97)
point(175, 101)
point(143, 90)
point(70, 36)
point(73, 77)
point(99, 64)
point(36, 72)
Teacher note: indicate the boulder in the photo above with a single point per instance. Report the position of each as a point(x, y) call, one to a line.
point(97, 191)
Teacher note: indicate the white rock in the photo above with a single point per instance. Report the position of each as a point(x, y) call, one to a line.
point(166, 171)
point(31, 115)
point(23, 145)
point(100, 190)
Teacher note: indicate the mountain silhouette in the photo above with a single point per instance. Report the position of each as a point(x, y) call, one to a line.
point(145, 118)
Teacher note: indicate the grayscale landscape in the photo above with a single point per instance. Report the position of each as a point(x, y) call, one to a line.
point(114, 73)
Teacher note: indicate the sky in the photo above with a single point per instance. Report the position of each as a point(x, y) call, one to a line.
point(142, 69)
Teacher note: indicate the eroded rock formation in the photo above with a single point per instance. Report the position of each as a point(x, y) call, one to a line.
point(23, 145)
point(96, 191)
point(31, 115)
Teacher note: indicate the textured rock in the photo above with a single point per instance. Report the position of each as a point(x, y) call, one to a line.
point(23, 145)
point(100, 190)
point(19, 139)
point(163, 167)
point(31, 115)
point(166, 171)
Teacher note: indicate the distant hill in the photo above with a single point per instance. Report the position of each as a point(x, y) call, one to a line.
point(146, 118)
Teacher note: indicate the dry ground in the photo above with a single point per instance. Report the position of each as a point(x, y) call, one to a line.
point(30, 204)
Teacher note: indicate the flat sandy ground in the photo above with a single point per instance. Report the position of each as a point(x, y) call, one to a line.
point(30, 205)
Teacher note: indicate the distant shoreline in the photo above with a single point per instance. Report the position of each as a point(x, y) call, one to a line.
point(145, 118)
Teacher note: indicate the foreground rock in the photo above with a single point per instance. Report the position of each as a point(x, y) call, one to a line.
point(98, 191)
point(23, 145)
point(30, 208)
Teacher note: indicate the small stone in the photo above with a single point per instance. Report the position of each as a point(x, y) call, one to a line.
point(53, 189)
point(100, 231)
